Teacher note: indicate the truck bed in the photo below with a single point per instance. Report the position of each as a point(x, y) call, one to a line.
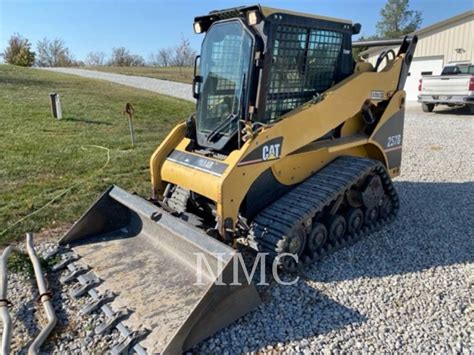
point(446, 89)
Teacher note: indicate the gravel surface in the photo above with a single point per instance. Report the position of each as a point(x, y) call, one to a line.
point(74, 333)
point(165, 87)
point(404, 289)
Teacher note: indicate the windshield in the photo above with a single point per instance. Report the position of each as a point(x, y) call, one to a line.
point(225, 61)
point(458, 69)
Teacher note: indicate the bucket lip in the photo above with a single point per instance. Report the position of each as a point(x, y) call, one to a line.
point(110, 204)
point(148, 210)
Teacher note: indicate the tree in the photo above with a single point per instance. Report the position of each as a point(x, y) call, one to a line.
point(357, 51)
point(184, 55)
point(397, 20)
point(181, 56)
point(121, 57)
point(18, 51)
point(53, 54)
point(163, 58)
point(95, 59)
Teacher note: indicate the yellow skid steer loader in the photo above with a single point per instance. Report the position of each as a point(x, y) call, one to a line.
point(290, 152)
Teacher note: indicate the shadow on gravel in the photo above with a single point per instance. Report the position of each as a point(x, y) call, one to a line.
point(24, 315)
point(34, 324)
point(445, 110)
point(434, 228)
point(287, 313)
point(60, 303)
point(30, 314)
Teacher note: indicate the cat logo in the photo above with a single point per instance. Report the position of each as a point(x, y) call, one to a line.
point(271, 151)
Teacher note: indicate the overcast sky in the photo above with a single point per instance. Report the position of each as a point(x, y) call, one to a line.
point(146, 26)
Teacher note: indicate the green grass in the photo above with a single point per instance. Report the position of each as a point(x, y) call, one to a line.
point(42, 157)
point(20, 263)
point(183, 75)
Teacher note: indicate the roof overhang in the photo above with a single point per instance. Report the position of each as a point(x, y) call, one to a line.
point(241, 12)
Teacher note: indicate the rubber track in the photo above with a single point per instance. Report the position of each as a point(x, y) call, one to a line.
point(312, 197)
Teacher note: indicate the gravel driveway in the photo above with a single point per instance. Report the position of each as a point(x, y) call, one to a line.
point(165, 87)
point(404, 289)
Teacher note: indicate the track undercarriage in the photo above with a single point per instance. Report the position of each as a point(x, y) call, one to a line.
point(345, 201)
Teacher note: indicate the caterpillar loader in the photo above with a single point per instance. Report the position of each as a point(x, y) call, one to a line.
point(291, 152)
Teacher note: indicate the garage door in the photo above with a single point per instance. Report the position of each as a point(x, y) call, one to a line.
point(419, 67)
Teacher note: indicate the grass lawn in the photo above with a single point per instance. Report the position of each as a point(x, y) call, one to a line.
point(42, 157)
point(183, 75)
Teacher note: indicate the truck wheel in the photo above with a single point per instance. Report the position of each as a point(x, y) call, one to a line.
point(427, 107)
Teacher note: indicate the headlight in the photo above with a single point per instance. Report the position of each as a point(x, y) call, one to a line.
point(252, 17)
point(197, 27)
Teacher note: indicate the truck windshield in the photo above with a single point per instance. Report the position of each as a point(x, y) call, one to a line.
point(458, 69)
point(225, 61)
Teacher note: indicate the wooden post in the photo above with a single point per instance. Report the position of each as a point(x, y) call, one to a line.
point(129, 112)
point(56, 110)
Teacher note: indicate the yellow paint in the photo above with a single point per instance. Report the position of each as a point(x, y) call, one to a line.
point(158, 157)
point(300, 156)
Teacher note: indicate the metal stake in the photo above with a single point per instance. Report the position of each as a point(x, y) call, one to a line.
point(129, 112)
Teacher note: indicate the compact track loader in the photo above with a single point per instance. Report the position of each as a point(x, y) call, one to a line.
point(291, 152)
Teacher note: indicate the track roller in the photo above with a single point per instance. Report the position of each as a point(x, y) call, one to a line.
point(317, 238)
point(371, 214)
point(294, 244)
point(347, 199)
point(336, 228)
point(355, 220)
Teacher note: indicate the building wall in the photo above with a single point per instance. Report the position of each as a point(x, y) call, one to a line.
point(442, 42)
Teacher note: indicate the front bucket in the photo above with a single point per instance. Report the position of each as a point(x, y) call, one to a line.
point(149, 258)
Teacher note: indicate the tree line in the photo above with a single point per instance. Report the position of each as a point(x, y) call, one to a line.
point(396, 20)
point(55, 53)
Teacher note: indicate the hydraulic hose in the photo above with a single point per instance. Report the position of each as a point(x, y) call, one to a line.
point(44, 298)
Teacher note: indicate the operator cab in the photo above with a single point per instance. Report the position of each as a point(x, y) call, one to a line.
point(259, 63)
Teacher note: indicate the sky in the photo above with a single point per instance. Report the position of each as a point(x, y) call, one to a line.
point(145, 26)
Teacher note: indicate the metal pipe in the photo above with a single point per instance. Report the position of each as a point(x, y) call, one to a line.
point(379, 43)
point(44, 298)
point(4, 313)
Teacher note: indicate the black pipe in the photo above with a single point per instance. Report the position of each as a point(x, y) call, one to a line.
point(379, 43)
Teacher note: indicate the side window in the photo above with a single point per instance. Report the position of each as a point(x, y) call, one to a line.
point(324, 49)
point(303, 63)
point(463, 69)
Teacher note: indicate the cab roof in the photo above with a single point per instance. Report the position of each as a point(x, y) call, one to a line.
point(264, 12)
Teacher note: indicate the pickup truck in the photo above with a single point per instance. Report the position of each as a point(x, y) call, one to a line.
point(455, 86)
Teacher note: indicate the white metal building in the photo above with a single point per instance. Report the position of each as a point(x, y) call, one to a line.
point(448, 41)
